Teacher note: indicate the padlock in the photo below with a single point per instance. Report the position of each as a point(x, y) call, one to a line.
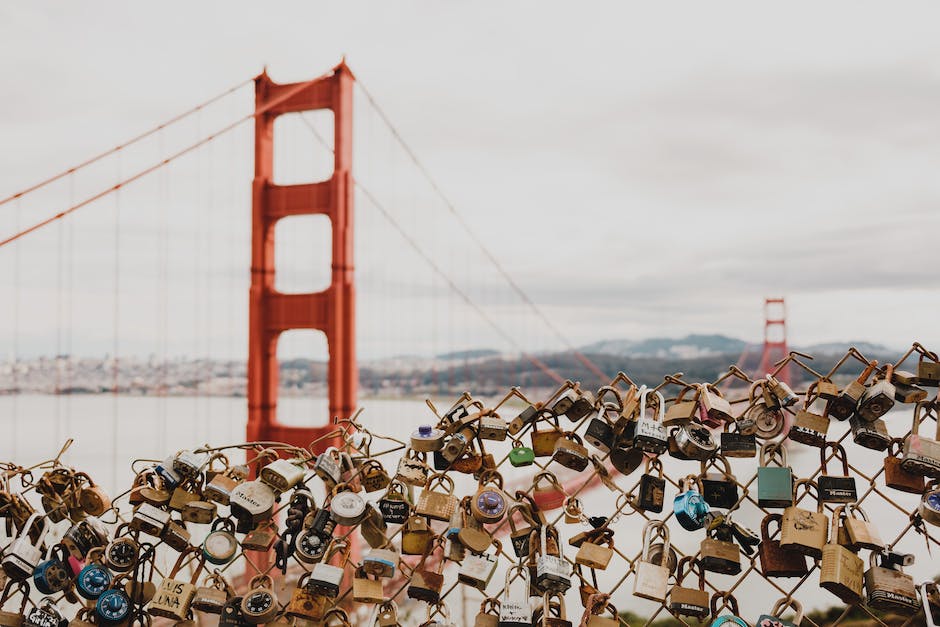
point(85, 536)
point(53, 575)
point(373, 476)
point(920, 455)
point(187, 463)
point(387, 615)
point(176, 536)
point(552, 570)
point(174, 596)
point(427, 439)
point(719, 489)
point(169, 476)
point(45, 614)
point(412, 469)
point(563, 400)
point(804, 530)
point(652, 488)
point(232, 615)
point(600, 433)
point(261, 538)
point(14, 618)
point(282, 474)
point(596, 551)
point(688, 505)
point(120, 555)
point(183, 493)
point(878, 398)
point(737, 443)
point(525, 417)
point(346, 507)
point(455, 447)
point(393, 506)
point(717, 409)
point(890, 589)
point(426, 582)
point(219, 488)
point(212, 596)
point(543, 441)
point(930, 602)
point(574, 510)
point(826, 389)
point(92, 497)
point(841, 570)
point(113, 607)
point(220, 544)
point(252, 502)
point(22, 555)
point(774, 483)
point(764, 413)
point(490, 503)
point(689, 601)
point(478, 568)
point(327, 466)
point(199, 512)
point(416, 536)
point(492, 427)
point(552, 613)
point(651, 435)
point(682, 409)
point(859, 529)
point(570, 452)
point(625, 457)
point(774, 619)
point(325, 578)
point(895, 475)
point(836, 488)
point(83, 618)
point(781, 391)
point(94, 577)
point(521, 455)
point(928, 369)
point(367, 590)
point(437, 505)
point(719, 555)
point(373, 527)
point(488, 616)
point(692, 441)
point(652, 578)
point(519, 535)
point(929, 507)
point(305, 604)
point(381, 562)
point(470, 533)
point(774, 560)
point(845, 405)
point(873, 435)
point(514, 609)
point(809, 427)
point(728, 601)
point(259, 605)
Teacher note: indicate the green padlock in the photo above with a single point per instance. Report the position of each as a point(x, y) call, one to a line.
point(521, 455)
point(774, 483)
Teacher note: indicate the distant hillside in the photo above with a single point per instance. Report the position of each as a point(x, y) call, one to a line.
point(688, 347)
point(468, 354)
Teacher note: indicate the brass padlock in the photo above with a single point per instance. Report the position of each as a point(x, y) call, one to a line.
point(416, 536)
point(570, 452)
point(373, 476)
point(841, 570)
point(413, 468)
point(199, 512)
point(490, 503)
point(92, 497)
point(717, 409)
point(597, 551)
point(437, 505)
point(304, 603)
point(845, 405)
point(682, 409)
point(367, 590)
point(543, 441)
point(388, 615)
point(719, 555)
point(212, 596)
point(174, 596)
point(859, 529)
point(553, 612)
point(488, 616)
point(689, 601)
point(928, 369)
point(427, 582)
point(804, 530)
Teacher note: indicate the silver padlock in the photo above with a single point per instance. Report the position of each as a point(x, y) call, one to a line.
point(514, 608)
point(150, 520)
point(651, 435)
point(552, 572)
point(381, 562)
point(22, 556)
point(282, 474)
point(325, 578)
point(477, 569)
point(252, 501)
point(346, 507)
point(187, 464)
point(327, 466)
point(45, 614)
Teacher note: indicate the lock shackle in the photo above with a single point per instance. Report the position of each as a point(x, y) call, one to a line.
point(811, 396)
point(336, 613)
point(854, 508)
point(837, 515)
point(662, 531)
point(770, 451)
point(727, 601)
point(200, 563)
point(24, 532)
point(693, 565)
point(790, 602)
point(516, 571)
point(712, 462)
point(8, 593)
point(489, 605)
point(687, 482)
point(653, 463)
point(894, 447)
point(337, 544)
point(603, 391)
point(550, 478)
point(809, 483)
point(523, 510)
point(765, 524)
point(660, 414)
point(490, 476)
point(553, 601)
point(838, 452)
point(441, 479)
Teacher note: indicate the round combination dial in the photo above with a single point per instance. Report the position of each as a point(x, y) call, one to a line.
point(113, 607)
point(259, 606)
point(121, 555)
point(93, 580)
point(219, 547)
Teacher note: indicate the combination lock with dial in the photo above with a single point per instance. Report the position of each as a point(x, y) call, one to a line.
point(259, 604)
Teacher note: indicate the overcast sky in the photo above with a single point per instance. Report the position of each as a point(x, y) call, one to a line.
point(640, 169)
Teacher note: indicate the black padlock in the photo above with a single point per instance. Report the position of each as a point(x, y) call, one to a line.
point(652, 490)
point(600, 434)
point(836, 488)
point(323, 523)
point(719, 489)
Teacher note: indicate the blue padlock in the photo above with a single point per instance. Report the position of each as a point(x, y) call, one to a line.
point(689, 505)
point(113, 607)
point(92, 581)
point(171, 478)
point(53, 574)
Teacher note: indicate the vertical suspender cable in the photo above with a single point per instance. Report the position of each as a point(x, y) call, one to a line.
point(117, 330)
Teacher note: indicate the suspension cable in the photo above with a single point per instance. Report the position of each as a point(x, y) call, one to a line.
point(130, 142)
point(476, 239)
